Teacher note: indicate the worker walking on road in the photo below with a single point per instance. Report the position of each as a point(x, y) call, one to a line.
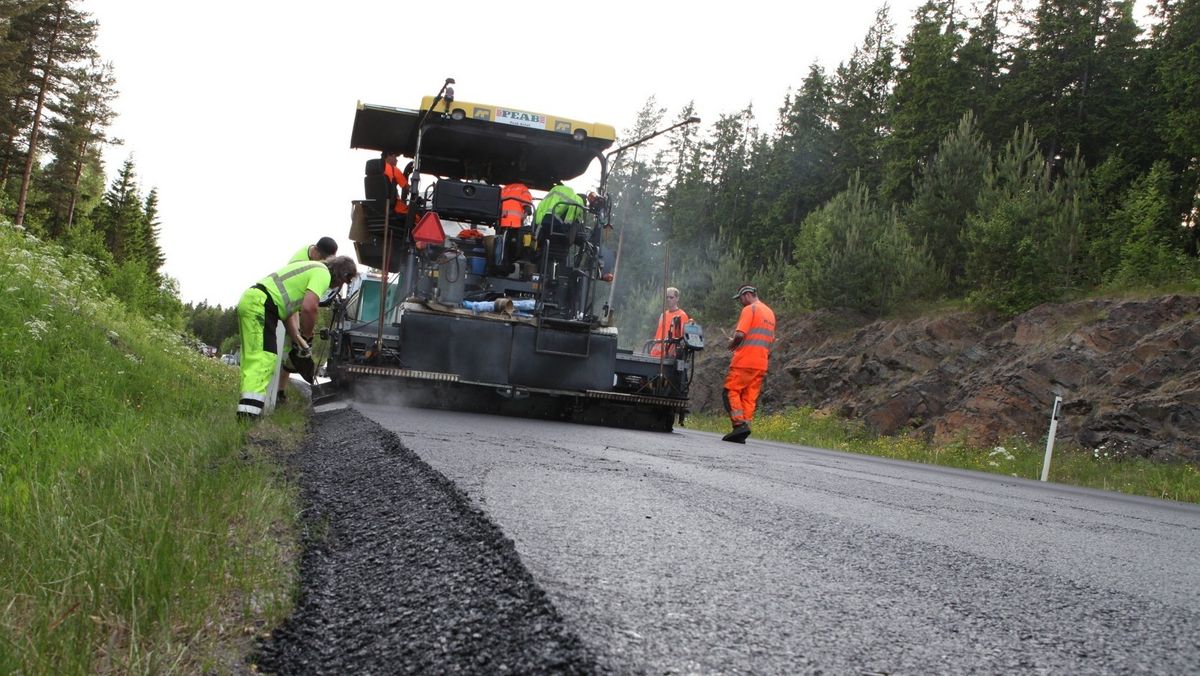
point(670, 326)
point(295, 289)
point(750, 344)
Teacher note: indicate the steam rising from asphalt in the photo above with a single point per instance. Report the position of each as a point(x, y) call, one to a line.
point(393, 392)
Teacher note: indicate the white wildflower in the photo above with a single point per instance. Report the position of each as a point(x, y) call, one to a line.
point(1002, 452)
point(36, 327)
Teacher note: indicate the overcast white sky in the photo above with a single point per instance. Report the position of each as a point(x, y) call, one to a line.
point(240, 112)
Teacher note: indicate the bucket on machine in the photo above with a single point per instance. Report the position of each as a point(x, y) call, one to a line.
point(452, 277)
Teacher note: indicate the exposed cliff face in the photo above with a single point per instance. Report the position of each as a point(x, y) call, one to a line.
point(1128, 372)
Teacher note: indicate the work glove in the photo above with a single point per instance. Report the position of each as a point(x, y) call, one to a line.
point(301, 362)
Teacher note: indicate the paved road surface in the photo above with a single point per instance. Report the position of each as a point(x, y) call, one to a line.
point(678, 553)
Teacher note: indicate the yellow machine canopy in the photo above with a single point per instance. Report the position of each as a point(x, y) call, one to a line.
point(477, 142)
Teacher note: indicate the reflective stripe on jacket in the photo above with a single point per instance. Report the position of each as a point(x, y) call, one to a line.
point(287, 286)
point(514, 201)
point(757, 324)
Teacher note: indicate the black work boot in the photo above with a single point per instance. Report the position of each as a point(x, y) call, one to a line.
point(739, 433)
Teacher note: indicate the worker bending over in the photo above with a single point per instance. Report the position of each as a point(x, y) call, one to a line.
point(294, 289)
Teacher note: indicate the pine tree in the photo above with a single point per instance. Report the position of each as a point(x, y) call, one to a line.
point(60, 36)
point(854, 253)
point(1023, 244)
point(947, 192)
point(77, 136)
point(16, 64)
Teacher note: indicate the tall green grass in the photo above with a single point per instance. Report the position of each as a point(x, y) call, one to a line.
point(1017, 457)
point(138, 531)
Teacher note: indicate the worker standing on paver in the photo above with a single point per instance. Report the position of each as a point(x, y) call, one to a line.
point(670, 326)
point(751, 345)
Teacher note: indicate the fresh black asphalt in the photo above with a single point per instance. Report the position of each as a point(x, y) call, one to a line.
point(635, 552)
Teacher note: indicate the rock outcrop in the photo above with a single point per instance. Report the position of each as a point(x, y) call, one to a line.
point(1128, 372)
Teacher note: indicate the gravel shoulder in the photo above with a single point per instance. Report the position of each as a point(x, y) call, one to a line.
point(401, 574)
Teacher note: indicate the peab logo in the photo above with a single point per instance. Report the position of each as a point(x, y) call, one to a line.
point(521, 118)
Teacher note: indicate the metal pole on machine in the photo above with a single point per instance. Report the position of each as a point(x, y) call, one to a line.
point(446, 93)
point(621, 236)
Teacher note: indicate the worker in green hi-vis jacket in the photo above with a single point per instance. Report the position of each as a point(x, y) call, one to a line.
point(296, 288)
point(324, 248)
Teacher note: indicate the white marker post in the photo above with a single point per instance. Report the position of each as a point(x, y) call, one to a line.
point(1050, 438)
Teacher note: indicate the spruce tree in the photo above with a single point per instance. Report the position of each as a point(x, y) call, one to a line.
point(984, 59)
point(1153, 250)
point(795, 172)
point(931, 93)
point(122, 217)
point(727, 165)
point(861, 89)
point(152, 254)
point(1178, 50)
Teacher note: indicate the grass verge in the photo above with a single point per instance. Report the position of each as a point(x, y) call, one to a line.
point(140, 523)
point(1018, 457)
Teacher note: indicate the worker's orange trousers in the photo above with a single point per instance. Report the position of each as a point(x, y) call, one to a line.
point(742, 386)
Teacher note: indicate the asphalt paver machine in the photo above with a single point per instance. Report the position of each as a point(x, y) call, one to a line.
point(460, 311)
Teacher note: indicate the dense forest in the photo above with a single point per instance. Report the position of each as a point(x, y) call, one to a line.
point(1000, 155)
point(56, 95)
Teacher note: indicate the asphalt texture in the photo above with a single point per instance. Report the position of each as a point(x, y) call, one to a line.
point(402, 574)
point(678, 553)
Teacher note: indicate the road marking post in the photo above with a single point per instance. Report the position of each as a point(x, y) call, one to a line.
point(1050, 437)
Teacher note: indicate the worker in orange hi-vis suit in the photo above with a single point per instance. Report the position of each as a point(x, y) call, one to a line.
point(399, 181)
point(750, 344)
point(667, 330)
